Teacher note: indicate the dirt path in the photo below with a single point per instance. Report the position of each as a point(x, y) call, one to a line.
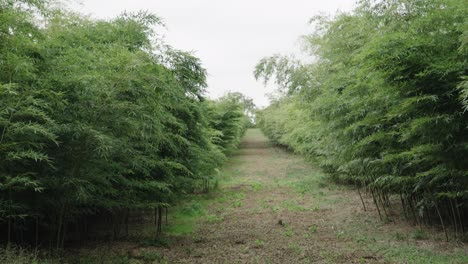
point(275, 219)
point(273, 207)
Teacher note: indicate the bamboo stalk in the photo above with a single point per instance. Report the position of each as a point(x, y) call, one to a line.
point(441, 221)
point(362, 200)
point(403, 207)
point(37, 235)
point(376, 205)
point(59, 226)
point(454, 218)
point(459, 216)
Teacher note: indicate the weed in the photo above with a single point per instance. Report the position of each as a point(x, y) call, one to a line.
point(315, 208)
point(17, 256)
point(198, 239)
point(264, 204)
point(237, 203)
point(156, 242)
point(289, 232)
point(193, 208)
point(239, 196)
point(275, 208)
point(330, 257)
point(313, 229)
point(245, 249)
point(292, 205)
point(399, 236)
point(255, 210)
point(259, 243)
point(214, 218)
point(419, 234)
point(361, 239)
point(295, 248)
point(340, 234)
point(322, 185)
point(151, 255)
point(188, 250)
point(256, 186)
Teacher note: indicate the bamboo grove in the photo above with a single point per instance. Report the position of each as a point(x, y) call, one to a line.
point(99, 119)
point(383, 105)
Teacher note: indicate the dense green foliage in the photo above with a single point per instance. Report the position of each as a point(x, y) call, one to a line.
point(383, 105)
point(98, 118)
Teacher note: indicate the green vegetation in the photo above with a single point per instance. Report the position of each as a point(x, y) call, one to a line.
point(383, 105)
point(105, 133)
point(101, 122)
point(288, 232)
point(259, 243)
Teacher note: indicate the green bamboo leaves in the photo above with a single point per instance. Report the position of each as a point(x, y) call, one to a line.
point(100, 118)
point(385, 106)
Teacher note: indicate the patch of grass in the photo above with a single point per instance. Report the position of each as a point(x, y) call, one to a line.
point(419, 234)
point(98, 256)
point(397, 247)
point(276, 208)
point(214, 218)
point(289, 232)
point(292, 205)
point(239, 196)
point(400, 237)
point(197, 238)
point(152, 255)
point(322, 184)
point(16, 255)
point(230, 196)
point(193, 208)
point(295, 248)
point(237, 203)
point(245, 249)
point(222, 198)
point(313, 229)
point(315, 208)
point(184, 218)
point(256, 186)
point(108, 258)
point(156, 242)
point(417, 255)
point(363, 239)
point(232, 170)
point(264, 203)
point(330, 257)
point(259, 243)
point(306, 182)
point(340, 234)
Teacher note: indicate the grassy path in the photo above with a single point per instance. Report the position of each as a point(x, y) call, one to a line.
point(273, 207)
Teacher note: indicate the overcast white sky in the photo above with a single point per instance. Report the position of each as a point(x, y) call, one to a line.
point(229, 36)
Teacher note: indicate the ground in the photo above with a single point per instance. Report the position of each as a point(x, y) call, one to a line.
point(272, 206)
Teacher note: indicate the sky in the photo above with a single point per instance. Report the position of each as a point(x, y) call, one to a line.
point(229, 36)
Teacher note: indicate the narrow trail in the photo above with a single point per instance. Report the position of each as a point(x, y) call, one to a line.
point(283, 212)
point(273, 207)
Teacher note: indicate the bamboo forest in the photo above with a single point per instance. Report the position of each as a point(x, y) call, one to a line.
point(113, 150)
